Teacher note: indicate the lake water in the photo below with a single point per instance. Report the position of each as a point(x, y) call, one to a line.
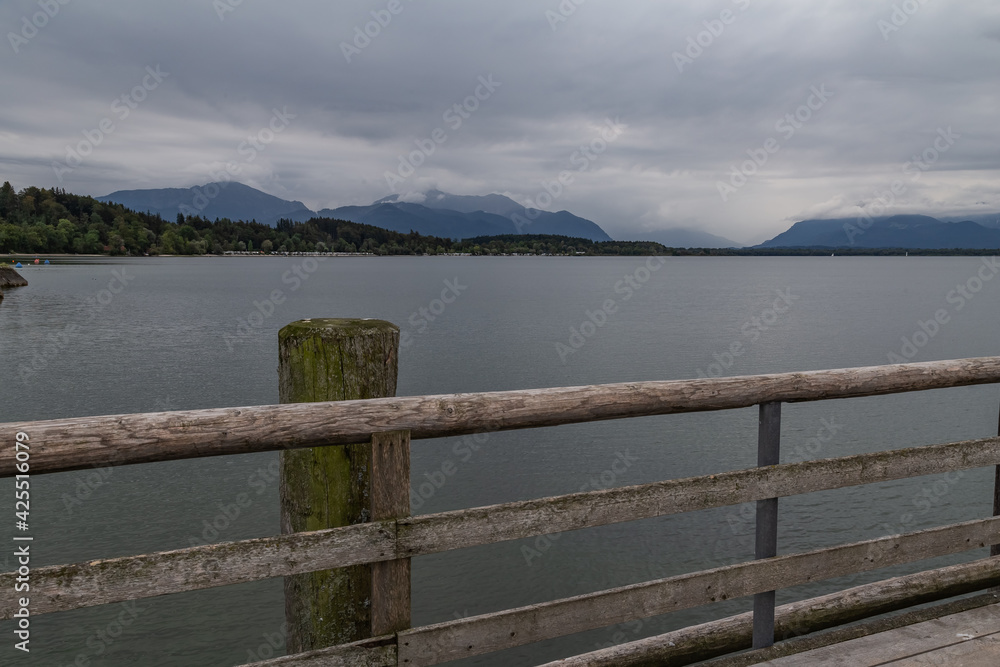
point(119, 336)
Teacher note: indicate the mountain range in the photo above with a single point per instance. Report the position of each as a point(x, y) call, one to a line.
point(214, 200)
point(434, 213)
point(438, 213)
point(897, 231)
point(466, 216)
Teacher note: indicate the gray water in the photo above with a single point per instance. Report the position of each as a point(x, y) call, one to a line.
point(166, 335)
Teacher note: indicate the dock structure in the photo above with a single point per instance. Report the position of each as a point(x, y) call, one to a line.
point(967, 638)
point(368, 534)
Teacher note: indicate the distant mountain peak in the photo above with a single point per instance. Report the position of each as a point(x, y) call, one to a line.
point(896, 231)
point(496, 204)
point(440, 213)
point(232, 200)
point(433, 212)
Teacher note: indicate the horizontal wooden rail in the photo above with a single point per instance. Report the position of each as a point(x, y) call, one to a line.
point(72, 444)
point(528, 518)
point(434, 644)
point(374, 652)
point(475, 635)
point(729, 635)
point(64, 587)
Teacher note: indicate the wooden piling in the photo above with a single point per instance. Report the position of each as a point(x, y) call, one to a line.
point(327, 487)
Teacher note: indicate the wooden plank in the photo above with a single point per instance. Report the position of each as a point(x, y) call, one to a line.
point(514, 627)
point(850, 632)
point(900, 646)
point(390, 499)
point(83, 442)
point(63, 587)
point(374, 652)
point(977, 652)
point(431, 533)
point(101, 582)
point(704, 641)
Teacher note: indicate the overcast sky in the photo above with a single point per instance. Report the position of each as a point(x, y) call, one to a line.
point(697, 88)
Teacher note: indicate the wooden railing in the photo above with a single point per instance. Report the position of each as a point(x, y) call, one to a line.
point(70, 444)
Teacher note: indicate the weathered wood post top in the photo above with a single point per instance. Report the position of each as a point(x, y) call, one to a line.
point(337, 359)
point(327, 487)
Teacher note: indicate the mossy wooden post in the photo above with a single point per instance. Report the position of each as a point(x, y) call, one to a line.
point(326, 487)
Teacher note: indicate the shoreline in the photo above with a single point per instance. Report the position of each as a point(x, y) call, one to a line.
point(28, 259)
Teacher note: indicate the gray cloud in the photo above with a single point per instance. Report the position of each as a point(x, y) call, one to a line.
point(686, 130)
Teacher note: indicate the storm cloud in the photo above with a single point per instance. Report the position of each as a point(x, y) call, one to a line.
point(737, 116)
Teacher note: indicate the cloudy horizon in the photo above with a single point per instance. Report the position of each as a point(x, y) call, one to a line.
point(735, 117)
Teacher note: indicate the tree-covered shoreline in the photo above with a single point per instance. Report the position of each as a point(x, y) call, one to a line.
point(38, 221)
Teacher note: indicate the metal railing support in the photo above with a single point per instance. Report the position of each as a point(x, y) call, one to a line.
point(768, 454)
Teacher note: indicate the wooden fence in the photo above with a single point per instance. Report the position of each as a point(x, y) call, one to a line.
point(394, 536)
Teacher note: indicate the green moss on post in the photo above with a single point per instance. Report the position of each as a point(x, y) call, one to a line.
point(326, 487)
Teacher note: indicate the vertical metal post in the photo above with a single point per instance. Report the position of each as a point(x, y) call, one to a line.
point(768, 452)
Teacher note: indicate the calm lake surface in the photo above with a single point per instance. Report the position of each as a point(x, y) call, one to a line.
point(155, 334)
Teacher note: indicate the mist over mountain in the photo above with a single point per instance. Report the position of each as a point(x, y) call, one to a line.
point(484, 215)
point(436, 213)
point(494, 203)
point(897, 231)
